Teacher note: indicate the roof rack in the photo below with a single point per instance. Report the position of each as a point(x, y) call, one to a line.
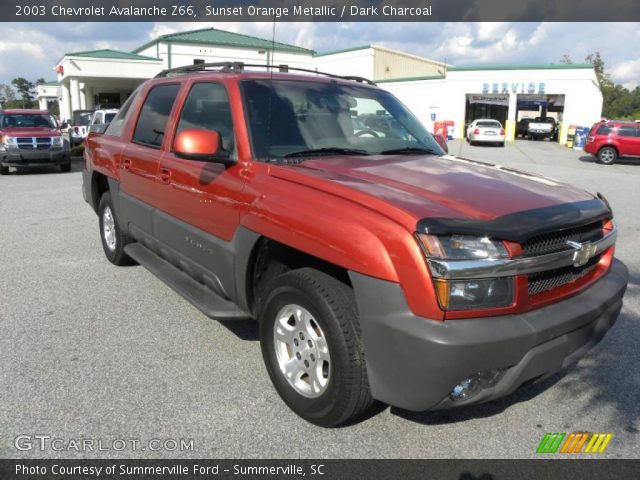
point(237, 67)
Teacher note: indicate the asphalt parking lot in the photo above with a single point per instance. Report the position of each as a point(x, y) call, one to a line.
point(90, 350)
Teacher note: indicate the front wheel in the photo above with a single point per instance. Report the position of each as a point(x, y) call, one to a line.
point(65, 167)
point(607, 155)
point(4, 170)
point(310, 339)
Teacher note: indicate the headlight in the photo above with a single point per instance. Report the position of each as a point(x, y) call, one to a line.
point(468, 294)
point(56, 142)
point(462, 247)
point(10, 141)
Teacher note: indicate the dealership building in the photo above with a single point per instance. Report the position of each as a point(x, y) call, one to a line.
point(434, 91)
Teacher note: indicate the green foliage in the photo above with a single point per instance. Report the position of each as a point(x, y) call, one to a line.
point(77, 150)
point(619, 103)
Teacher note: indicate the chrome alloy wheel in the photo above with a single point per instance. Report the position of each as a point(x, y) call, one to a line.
point(109, 229)
point(302, 351)
point(607, 156)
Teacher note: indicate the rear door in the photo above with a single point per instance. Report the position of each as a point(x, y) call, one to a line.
point(629, 140)
point(140, 159)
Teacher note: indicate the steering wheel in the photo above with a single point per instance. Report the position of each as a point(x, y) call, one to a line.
point(368, 132)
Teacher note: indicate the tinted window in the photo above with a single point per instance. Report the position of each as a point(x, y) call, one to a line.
point(116, 126)
point(628, 131)
point(154, 115)
point(604, 130)
point(290, 117)
point(207, 108)
point(27, 120)
point(108, 117)
point(489, 124)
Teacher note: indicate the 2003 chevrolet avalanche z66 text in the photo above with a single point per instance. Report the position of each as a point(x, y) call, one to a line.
point(378, 267)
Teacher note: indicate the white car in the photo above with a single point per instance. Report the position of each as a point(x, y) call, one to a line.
point(485, 130)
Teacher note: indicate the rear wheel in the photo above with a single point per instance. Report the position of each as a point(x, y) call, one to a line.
point(113, 238)
point(310, 339)
point(607, 155)
point(4, 170)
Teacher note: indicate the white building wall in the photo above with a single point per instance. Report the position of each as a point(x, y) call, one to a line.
point(184, 54)
point(355, 62)
point(447, 97)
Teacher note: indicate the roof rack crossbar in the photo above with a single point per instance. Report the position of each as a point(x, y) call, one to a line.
point(236, 67)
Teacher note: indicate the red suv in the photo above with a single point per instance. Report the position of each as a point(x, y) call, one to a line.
point(609, 141)
point(378, 267)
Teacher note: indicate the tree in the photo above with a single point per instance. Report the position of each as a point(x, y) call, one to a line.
point(598, 64)
point(566, 59)
point(7, 93)
point(25, 89)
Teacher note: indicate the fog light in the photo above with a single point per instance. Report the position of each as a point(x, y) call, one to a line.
point(473, 384)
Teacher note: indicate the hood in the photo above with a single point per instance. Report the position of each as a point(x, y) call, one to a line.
point(437, 187)
point(30, 132)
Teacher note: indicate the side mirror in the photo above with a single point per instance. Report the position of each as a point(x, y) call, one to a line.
point(204, 145)
point(98, 127)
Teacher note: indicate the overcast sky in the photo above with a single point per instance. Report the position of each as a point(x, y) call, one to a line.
point(31, 50)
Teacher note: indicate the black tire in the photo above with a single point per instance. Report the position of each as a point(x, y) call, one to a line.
point(65, 167)
point(607, 155)
point(4, 170)
point(346, 396)
point(501, 144)
point(116, 254)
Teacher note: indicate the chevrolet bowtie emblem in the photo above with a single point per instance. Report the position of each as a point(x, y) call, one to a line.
point(583, 252)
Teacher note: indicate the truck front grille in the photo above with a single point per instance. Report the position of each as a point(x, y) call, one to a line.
point(34, 143)
point(544, 281)
point(557, 241)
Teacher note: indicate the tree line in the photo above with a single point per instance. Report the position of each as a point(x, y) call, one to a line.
point(619, 103)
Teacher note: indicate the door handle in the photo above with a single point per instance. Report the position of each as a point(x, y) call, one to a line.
point(165, 175)
point(126, 163)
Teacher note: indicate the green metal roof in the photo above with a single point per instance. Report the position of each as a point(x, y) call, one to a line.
point(52, 83)
point(345, 50)
point(411, 79)
point(108, 53)
point(551, 66)
point(213, 36)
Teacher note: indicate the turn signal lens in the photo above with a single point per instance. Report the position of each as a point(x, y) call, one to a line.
point(473, 294)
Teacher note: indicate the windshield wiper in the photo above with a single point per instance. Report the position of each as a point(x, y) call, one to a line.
point(409, 151)
point(326, 151)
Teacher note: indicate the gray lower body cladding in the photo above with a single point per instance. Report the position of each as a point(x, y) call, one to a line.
point(36, 158)
point(414, 363)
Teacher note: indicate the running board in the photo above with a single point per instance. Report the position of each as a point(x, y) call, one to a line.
point(203, 298)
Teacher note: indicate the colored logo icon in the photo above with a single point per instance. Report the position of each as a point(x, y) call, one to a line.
point(576, 442)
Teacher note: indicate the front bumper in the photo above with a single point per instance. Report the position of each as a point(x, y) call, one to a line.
point(36, 158)
point(414, 363)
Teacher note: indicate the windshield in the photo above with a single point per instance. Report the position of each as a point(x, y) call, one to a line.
point(290, 117)
point(27, 120)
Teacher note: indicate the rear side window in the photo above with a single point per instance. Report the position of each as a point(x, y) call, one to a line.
point(155, 112)
point(116, 126)
point(604, 130)
point(207, 107)
point(629, 131)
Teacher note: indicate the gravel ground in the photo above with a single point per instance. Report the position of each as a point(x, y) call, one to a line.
point(92, 351)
